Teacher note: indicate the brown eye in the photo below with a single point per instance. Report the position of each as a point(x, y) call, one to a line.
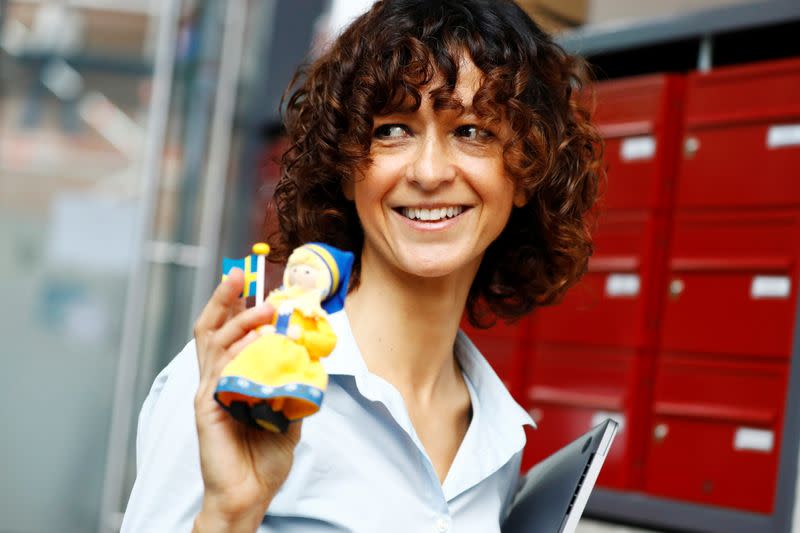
point(391, 131)
point(473, 133)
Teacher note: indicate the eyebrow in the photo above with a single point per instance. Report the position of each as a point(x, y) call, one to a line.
point(466, 111)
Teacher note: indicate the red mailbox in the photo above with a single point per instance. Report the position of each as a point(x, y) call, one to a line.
point(742, 145)
point(716, 431)
point(591, 356)
point(732, 284)
point(639, 118)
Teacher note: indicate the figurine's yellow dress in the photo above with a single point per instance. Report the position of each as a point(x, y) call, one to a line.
point(275, 368)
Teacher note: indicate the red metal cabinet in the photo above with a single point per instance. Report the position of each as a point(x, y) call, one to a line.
point(742, 145)
point(732, 284)
point(591, 356)
point(571, 389)
point(716, 431)
point(638, 118)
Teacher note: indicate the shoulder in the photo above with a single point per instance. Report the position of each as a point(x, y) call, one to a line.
point(168, 490)
point(172, 394)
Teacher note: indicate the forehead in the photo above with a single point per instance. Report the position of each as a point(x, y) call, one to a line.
point(437, 92)
point(468, 81)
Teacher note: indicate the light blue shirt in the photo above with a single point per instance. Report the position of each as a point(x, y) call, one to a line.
point(359, 465)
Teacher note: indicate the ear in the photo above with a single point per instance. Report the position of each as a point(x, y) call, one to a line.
point(520, 198)
point(348, 188)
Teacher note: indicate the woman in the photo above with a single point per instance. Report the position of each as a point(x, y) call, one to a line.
point(440, 142)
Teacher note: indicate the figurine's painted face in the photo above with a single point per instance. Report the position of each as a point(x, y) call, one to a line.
point(303, 276)
point(436, 194)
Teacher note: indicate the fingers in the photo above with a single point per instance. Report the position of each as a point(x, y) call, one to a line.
point(222, 302)
point(240, 325)
point(223, 329)
point(239, 345)
point(294, 431)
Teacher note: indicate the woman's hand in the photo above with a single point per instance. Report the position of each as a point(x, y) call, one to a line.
point(242, 467)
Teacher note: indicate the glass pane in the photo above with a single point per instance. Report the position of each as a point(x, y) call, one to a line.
point(77, 83)
point(180, 209)
point(77, 78)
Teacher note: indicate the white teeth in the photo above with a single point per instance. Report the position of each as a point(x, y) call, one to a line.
point(432, 214)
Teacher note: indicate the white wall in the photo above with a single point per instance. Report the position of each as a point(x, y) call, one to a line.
point(602, 11)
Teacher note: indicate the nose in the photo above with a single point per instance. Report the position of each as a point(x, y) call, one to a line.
point(432, 165)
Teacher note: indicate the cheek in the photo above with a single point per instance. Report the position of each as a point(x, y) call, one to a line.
point(498, 198)
point(495, 187)
point(370, 191)
point(385, 171)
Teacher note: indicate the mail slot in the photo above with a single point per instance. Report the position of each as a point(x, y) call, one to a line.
point(742, 143)
point(732, 284)
point(570, 390)
point(716, 432)
point(639, 120)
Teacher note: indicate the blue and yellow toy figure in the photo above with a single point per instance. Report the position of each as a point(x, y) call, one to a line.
point(278, 377)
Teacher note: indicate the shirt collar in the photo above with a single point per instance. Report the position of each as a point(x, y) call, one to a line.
point(496, 432)
point(346, 360)
point(488, 386)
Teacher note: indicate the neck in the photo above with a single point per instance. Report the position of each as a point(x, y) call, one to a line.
point(406, 326)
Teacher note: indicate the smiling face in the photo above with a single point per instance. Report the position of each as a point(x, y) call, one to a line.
point(436, 194)
point(305, 270)
point(302, 276)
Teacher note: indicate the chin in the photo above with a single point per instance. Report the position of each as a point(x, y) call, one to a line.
point(434, 265)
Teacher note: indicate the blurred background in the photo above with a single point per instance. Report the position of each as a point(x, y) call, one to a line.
point(137, 146)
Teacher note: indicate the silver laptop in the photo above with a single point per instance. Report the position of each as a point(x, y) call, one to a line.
point(553, 494)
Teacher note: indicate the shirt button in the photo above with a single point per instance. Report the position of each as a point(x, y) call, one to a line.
point(442, 525)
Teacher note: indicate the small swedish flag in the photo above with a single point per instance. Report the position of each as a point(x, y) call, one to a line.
point(249, 265)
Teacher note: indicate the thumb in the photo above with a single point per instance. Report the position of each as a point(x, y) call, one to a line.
point(295, 431)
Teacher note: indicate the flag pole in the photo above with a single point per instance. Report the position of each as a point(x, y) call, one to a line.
point(261, 250)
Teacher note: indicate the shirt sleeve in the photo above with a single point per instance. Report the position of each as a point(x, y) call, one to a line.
point(168, 491)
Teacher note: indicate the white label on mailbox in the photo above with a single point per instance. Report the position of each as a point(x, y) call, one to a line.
point(633, 148)
point(759, 440)
point(622, 285)
point(600, 416)
point(783, 135)
point(770, 287)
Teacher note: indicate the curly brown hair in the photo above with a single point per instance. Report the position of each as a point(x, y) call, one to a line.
point(383, 59)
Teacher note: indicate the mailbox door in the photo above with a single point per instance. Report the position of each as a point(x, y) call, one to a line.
point(732, 284)
point(639, 119)
point(716, 431)
point(742, 145)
